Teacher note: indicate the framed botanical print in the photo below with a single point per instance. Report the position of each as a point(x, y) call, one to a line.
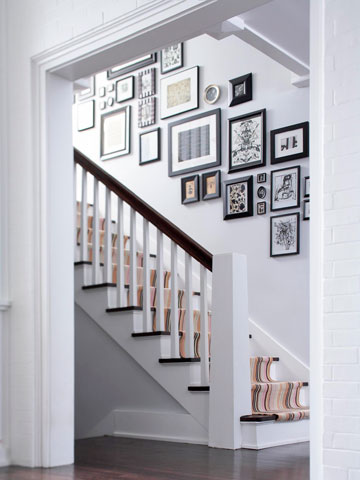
point(146, 112)
point(306, 187)
point(179, 92)
point(247, 141)
point(190, 189)
point(285, 188)
point(240, 89)
point(306, 215)
point(115, 133)
point(211, 185)
point(261, 208)
point(289, 143)
point(238, 198)
point(132, 65)
point(146, 83)
point(149, 146)
point(125, 89)
point(284, 235)
point(194, 143)
point(171, 58)
point(85, 115)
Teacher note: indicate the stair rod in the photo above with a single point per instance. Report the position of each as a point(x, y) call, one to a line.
point(108, 238)
point(189, 315)
point(204, 328)
point(84, 218)
point(133, 260)
point(174, 303)
point(95, 236)
point(160, 323)
point(147, 327)
point(120, 264)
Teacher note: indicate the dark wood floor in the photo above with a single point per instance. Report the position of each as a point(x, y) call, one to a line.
point(109, 458)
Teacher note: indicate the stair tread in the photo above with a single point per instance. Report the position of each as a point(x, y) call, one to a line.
point(179, 360)
point(199, 388)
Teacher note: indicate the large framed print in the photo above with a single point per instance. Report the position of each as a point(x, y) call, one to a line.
point(179, 92)
point(85, 115)
point(194, 143)
point(135, 64)
point(285, 188)
point(171, 58)
point(149, 146)
point(247, 141)
point(115, 133)
point(238, 198)
point(289, 143)
point(284, 235)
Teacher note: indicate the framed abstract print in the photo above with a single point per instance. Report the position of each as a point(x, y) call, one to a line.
point(149, 146)
point(211, 185)
point(179, 92)
point(171, 58)
point(240, 90)
point(190, 189)
point(306, 215)
point(306, 187)
point(285, 188)
point(115, 133)
point(247, 141)
point(146, 112)
point(85, 115)
point(146, 83)
point(238, 198)
point(289, 143)
point(284, 235)
point(135, 64)
point(125, 89)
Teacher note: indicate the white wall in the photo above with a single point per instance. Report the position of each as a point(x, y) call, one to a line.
point(278, 288)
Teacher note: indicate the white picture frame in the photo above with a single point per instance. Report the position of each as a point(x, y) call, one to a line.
point(179, 92)
point(115, 133)
point(125, 89)
point(85, 115)
point(149, 146)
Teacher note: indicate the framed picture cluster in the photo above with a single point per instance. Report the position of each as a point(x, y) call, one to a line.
point(210, 187)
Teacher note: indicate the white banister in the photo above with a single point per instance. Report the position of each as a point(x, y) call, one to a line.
point(174, 303)
point(76, 210)
point(189, 315)
point(133, 262)
point(84, 218)
point(108, 239)
point(121, 299)
point(204, 328)
point(147, 327)
point(95, 236)
point(160, 324)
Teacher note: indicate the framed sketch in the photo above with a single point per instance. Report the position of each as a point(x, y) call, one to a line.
point(149, 146)
point(284, 235)
point(135, 64)
point(179, 92)
point(171, 58)
point(146, 112)
point(261, 193)
point(261, 208)
point(125, 89)
point(87, 92)
point(285, 188)
point(85, 115)
point(306, 187)
point(190, 189)
point(289, 143)
point(211, 185)
point(261, 177)
point(306, 215)
point(211, 94)
point(247, 141)
point(238, 198)
point(240, 90)
point(194, 143)
point(146, 83)
point(115, 133)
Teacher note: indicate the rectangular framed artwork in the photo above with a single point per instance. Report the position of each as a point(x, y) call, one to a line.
point(149, 146)
point(85, 115)
point(115, 133)
point(179, 92)
point(306, 215)
point(289, 143)
point(87, 92)
point(190, 189)
point(146, 112)
point(285, 188)
point(240, 89)
point(261, 208)
point(125, 89)
point(306, 187)
point(284, 235)
point(261, 177)
point(238, 198)
point(171, 58)
point(132, 65)
point(211, 185)
point(146, 83)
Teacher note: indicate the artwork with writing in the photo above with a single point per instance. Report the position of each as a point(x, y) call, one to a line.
point(284, 235)
point(285, 188)
point(289, 143)
point(238, 199)
point(190, 189)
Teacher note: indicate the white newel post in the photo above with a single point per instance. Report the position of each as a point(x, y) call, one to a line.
point(230, 389)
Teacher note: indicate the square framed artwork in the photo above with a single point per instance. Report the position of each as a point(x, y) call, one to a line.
point(146, 83)
point(85, 115)
point(306, 213)
point(146, 112)
point(240, 89)
point(179, 92)
point(261, 177)
point(247, 141)
point(211, 185)
point(285, 188)
point(194, 143)
point(132, 65)
point(238, 198)
point(190, 189)
point(149, 146)
point(261, 208)
point(171, 58)
point(115, 133)
point(124, 89)
point(284, 235)
point(306, 187)
point(289, 143)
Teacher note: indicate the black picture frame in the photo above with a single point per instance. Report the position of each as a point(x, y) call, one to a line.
point(249, 205)
point(261, 208)
point(104, 155)
point(178, 65)
point(284, 236)
point(261, 192)
point(157, 157)
point(245, 122)
point(261, 177)
point(184, 193)
point(306, 187)
point(128, 67)
point(245, 82)
point(285, 143)
point(204, 178)
point(131, 95)
point(306, 215)
point(286, 186)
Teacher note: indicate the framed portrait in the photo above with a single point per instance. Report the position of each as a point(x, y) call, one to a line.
point(179, 92)
point(87, 92)
point(146, 83)
point(149, 146)
point(171, 58)
point(146, 112)
point(135, 64)
point(284, 235)
point(238, 198)
point(194, 143)
point(289, 143)
point(125, 89)
point(85, 115)
point(240, 89)
point(261, 177)
point(211, 94)
point(261, 208)
point(115, 133)
point(247, 141)
point(306, 187)
point(285, 188)
point(190, 189)
point(211, 185)
point(306, 215)
point(261, 192)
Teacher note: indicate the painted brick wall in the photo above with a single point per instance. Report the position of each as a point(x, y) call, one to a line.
point(341, 391)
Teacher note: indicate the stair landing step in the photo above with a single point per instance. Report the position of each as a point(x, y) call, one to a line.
point(199, 388)
point(180, 360)
point(150, 334)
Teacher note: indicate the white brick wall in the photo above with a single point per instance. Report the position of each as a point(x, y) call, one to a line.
point(341, 389)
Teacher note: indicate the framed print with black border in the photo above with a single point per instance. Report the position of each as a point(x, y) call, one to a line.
point(261, 208)
point(284, 235)
point(125, 89)
point(132, 65)
point(306, 187)
point(261, 177)
point(190, 189)
point(149, 146)
point(179, 92)
point(172, 58)
point(285, 188)
point(238, 198)
point(115, 133)
point(211, 185)
point(289, 143)
point(240, 89)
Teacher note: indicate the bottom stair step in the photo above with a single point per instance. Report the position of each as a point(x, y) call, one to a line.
point(179, 360)
point(150, 334)
point(258, 417)
point(199, 388)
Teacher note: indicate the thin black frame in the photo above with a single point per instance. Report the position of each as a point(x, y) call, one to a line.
point(175, 68)
point(217, 162)
point(297, 167)
point(258, 113)
point(184, 200)
point(247, 79)
point(261, 188)
point(158, 130)
point(204, 176)
point(250, 210)
point(93, 115)
point(132, 86)
point(306, 195)
point(131, 68)
point(258, 177)
point(304, 216)
point(109, 156)
point(297, 214)
point(290, 128)
point(257, 208)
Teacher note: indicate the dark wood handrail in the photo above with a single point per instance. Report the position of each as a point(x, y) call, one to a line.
point(163, 224)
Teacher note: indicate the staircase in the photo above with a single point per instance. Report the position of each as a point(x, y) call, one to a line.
point(126, 282)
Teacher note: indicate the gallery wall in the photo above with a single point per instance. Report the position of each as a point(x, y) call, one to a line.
point(278, 286)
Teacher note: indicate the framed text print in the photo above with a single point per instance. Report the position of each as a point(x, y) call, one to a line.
point(289, 143)
point(179, 92)
point(115, 133)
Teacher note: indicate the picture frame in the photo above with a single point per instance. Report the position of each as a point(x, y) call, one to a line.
point(261, 208)
point(240, 90)
point(306, 187)
point(179, 92)
point(172, 58)
point(87, 92)
point(247, 141)
point(285, 188)
point(110, 87)
point(110, 101)
point(146, 112)
point(115, 133)
point(102, 92)
point(132, 65)
point(285, 235)
point(203, 131)
point(212, 94)
point(102, 105)
point(85, 115)
point(190, 189)
point(211, 185)
point(124, 89)
point(261, 177)
point(146, 83)
point(149, 146)
point(238, 198)
point(306, 211)
point(261, 192)
point(289, 143)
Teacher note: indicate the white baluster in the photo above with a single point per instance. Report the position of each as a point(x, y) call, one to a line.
point(204, 327)
point(160, 324)
point(76, 211)
point(95, 236)
point(133, 263)
point(108, 239)
point(189, 315)
point(147, 327)
point(84, 218)
point(174, 303)
point(121, 300)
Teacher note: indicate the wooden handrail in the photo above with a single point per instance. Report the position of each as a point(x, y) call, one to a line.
point(193, 248)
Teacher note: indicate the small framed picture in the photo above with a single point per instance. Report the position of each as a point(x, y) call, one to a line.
point(87, 92)
point(85, 115)
point(289, 143)
point(149, 146)
point(102, 105)
point(284, 235)
point(171, 58)
point(146, 83)
point(125, 89)
point(102, 92)
point(179, 92)
point(127, 67)
point(247, 141)
point(261, 177)
point(261, 192)
point(285, 188)
point(306, 215)
point(146, 113)
point(306, 187)
point(261, 208)
point(211, 94)
point(238, 198)
point(110, 87)
point(115, 133)
point(211, 185)
point(110, 101)
point(240, 89)
point(190, 189)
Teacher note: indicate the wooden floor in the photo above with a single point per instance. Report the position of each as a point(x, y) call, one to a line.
point(109, 458)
